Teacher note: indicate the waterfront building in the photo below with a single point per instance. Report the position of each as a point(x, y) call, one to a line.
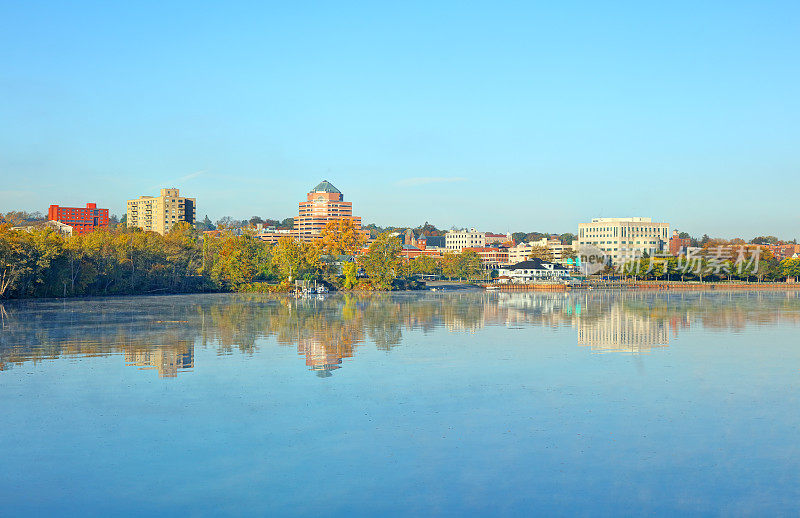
point(323, 203)
point(456, 240)
point(160, 213)
point(82, 220)
point(533, 270)
point(621, 238)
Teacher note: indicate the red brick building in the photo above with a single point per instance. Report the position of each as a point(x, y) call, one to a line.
point(83, 220)
point(678, 245)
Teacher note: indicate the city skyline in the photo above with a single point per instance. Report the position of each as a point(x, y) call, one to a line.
point(456, 227)
point(544, 119)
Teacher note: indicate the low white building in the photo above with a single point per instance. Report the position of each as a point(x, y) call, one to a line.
point(456, 240)
point(533, 270)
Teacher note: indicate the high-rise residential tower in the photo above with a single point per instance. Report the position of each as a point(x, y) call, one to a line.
point(160, 213)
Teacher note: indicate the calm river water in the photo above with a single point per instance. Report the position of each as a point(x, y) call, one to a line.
point(412, 404)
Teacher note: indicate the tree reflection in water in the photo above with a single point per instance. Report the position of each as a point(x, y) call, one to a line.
point(162, 332)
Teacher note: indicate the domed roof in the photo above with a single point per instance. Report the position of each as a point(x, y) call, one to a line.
point(326, 186)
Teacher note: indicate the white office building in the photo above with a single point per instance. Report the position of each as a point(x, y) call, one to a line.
point(621, 238)
point(456, 240)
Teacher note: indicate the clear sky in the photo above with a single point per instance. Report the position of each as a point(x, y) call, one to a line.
point(503, 116)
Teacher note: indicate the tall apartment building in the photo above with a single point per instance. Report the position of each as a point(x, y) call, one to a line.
point(160, 213)
point(457, 240)
point(82, 220)
point(323, 203)
point(619, 238)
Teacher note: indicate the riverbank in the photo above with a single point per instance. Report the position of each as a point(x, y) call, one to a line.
point(650, 286)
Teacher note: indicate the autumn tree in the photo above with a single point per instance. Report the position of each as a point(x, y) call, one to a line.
point(469, 264)
point(464, 265)
point(341, 237)
point(240, 261)
point(183, 252)
point(287, 256)
point(790, 268)
point(350, 271)
point(381, 260)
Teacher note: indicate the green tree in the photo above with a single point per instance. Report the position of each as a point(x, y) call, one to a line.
point(350, 271)
point(470, 265)
point(381, 260)
point(568, 238)
point(240, 261)
point(790, 268)
point(425, 264)
point(287, 256)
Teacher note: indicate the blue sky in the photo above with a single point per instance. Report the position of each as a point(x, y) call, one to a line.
point(502, 116)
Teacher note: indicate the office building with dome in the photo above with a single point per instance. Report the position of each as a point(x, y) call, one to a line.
point(323, 203)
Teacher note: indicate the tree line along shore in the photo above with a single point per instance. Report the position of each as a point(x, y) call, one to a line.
point(40, 262)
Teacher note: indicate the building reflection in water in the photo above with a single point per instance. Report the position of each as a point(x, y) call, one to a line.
point(617, 331)
point(169, 361)
point(163, 334)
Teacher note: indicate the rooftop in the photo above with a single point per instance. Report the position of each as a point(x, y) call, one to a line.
point(622, 220)
point(535, 264)
point(326, 186)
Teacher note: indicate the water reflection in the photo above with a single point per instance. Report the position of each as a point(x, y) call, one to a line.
point(619, 331)
point(161, 333)
point(168, 360)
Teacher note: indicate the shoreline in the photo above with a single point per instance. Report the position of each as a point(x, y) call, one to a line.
point(650, 286)
point(454, 286)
